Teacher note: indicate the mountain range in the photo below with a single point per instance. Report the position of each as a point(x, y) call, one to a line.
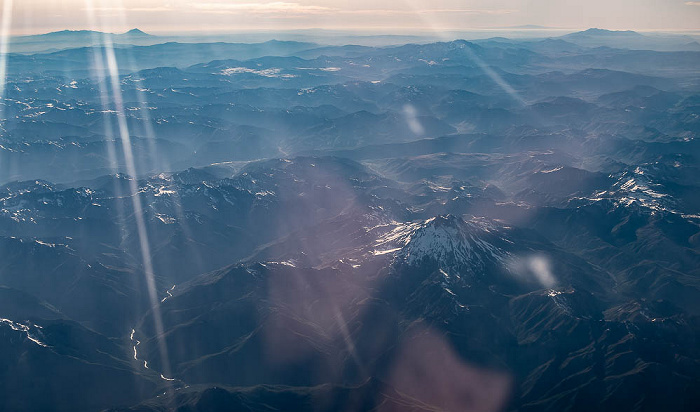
point(487, 225)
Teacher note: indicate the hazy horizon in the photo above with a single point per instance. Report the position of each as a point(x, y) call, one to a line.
point(400, 17)
point(516, 31)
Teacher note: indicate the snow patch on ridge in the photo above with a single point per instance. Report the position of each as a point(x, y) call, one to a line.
point(273, 72)
point(31, 330)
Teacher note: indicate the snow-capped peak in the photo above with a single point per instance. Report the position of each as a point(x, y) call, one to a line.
point(446, 240)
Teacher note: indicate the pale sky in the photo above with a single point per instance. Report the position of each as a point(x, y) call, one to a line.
point(172, 16)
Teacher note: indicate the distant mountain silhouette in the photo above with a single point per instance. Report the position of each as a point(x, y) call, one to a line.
point(136, 32)
point(606, 33)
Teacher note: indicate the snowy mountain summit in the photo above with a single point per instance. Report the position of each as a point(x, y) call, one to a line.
point(447, 241)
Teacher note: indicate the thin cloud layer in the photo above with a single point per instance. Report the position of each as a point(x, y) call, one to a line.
point(35, 16)
point(260, 7)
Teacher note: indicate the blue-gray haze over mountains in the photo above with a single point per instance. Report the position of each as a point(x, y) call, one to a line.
point(488, 225)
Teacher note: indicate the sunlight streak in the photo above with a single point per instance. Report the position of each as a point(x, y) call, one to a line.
point(496, 77)
point(99, 72)
point(135, 195)
point(159, 162)
point(4, 49)
point(113, 70)
point(432, 25)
